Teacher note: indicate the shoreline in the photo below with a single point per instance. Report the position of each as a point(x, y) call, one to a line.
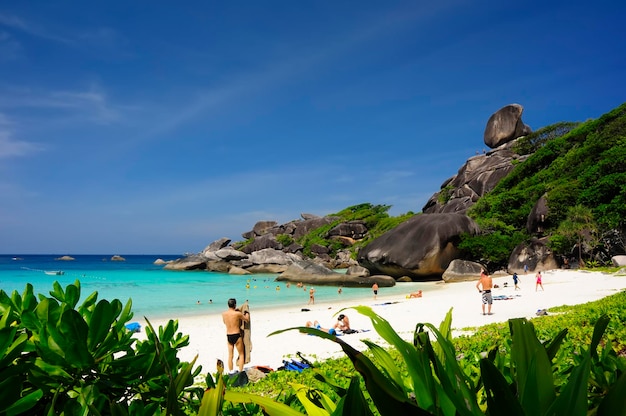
point(207, 337)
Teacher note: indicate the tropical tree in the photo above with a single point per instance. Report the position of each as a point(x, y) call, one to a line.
point(580, 227)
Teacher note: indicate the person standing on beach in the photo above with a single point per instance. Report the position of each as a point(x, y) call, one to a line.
point(233, 319)
point(515, 281)
point(311, 296)
point(375, 289)
point(538, 283)
point(484, 286)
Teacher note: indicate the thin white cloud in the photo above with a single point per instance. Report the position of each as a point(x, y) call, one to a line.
point(32, 29)
point(91, 104)
point(9, 146)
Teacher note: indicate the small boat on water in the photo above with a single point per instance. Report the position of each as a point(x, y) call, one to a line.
point(54, 272)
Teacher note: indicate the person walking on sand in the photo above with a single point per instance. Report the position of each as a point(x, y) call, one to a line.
point(515, 281)
point(233, 319)
point(538, 283)
point(311, 296)
point(484, 286)
point(375, 289)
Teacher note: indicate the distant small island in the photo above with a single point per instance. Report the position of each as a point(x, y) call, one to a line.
point(65, 258)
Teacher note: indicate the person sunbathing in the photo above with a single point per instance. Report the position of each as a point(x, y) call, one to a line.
point(417, 294)
point(317, 325)
point(343, 323)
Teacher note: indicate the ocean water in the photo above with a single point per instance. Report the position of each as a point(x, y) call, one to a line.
point(158, 293)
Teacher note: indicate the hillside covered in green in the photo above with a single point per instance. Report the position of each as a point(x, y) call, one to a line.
point(581, 172)
point(579, 168)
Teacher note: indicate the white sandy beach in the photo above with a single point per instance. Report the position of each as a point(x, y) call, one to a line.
point(208, 337)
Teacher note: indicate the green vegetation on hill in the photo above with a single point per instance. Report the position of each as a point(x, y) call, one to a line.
point(375, 217)
point(574, 165)
point(579, 167)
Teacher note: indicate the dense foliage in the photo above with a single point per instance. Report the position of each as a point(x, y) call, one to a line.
point(583, 165)
point(375, 217)
point(571, 163)
point(61, 357)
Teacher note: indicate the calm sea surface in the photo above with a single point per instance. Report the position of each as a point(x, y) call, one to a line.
point(158, 293)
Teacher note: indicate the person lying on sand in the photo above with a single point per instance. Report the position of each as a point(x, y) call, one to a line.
point(343, 323)
point(417, 294)
point(317, 325)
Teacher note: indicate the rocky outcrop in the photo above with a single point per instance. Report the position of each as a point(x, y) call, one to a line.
point(536, 256)
point(421, 247)
point(479, 175)
point(216, 245)
point(505, 125)
point(462, 271)
point(355, 230)
point(262, 242)
point(618, 261)
point(536, 221)
point(308, 272)
point(65, 258)
point(193, 262)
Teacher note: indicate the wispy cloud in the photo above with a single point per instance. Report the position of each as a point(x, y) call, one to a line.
point(11, 147)
point(33, 29)
point(91, 104)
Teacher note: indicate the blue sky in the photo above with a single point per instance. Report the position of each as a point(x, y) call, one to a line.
point(153, 127)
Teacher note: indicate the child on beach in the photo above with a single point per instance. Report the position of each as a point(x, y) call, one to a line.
point(539, 283)
point(515, 281)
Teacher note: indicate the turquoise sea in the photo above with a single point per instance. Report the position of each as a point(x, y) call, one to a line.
point(158, 293)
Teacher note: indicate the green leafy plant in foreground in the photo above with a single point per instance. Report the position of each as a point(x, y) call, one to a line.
point(434, 383)
point(59, 357)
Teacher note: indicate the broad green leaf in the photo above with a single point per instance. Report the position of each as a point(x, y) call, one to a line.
point(455, 391)
point(389, 401)
point(100, 323)
point(24, 404)
point(353, 402)
point(74, 331)
point(305, 394)
point(553, 346)
point(573, 398)
point(386, 363)
point(270, 407)
point(533, 369)
point(51, 369)
point(72, 294)
point(88, 303)
point(500, 399)
point(11, 346)
point(57, 292)
point(213, 399)
point(445, 329)
point(421, 377)
point(614, 403)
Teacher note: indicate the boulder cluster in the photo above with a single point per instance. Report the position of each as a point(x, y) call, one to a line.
point(425, 247)
point(264, 253)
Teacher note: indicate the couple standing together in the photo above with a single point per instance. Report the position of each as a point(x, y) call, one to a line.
point(237, 323)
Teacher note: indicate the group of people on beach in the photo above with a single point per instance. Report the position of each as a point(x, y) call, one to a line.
point(485, 285)
point(235, 319)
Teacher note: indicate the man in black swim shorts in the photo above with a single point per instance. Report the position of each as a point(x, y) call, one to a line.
point(232, 338)
point(232, 319)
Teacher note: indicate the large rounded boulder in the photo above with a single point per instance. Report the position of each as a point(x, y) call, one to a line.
point(420, 248)
point(505, 125)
